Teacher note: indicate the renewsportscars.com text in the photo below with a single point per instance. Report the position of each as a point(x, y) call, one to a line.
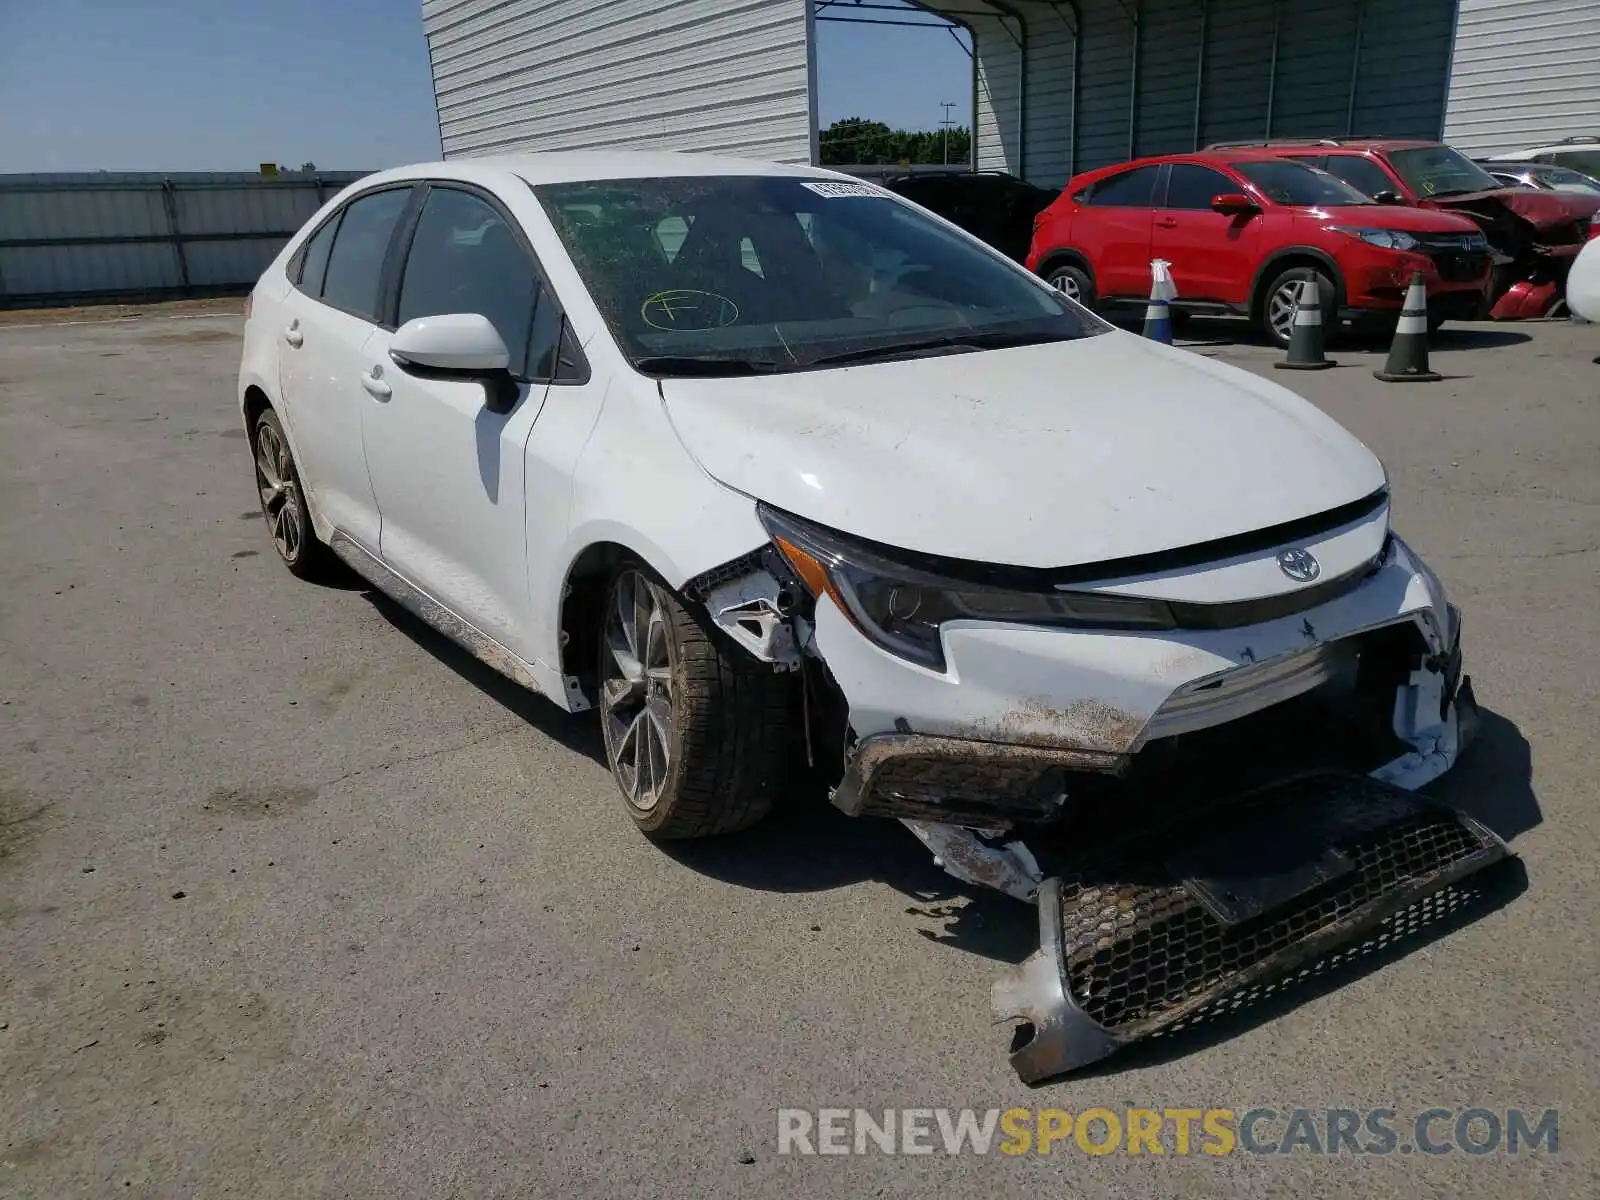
point(1169, 1131)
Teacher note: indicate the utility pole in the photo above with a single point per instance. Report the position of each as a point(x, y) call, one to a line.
point(946, 125)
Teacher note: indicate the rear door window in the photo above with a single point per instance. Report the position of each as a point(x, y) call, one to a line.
point(1191, 186)
point(1131, 189)
point(355, 265)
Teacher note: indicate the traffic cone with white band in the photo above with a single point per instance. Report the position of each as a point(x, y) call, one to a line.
point(1157, 314)
point(1305, 338)
point(1408, 357)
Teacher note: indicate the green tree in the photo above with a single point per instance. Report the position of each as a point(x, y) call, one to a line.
point(857, 141)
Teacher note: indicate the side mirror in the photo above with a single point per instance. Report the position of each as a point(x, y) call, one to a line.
point(463, 343)
point(1388, 197)
point(1234, 204)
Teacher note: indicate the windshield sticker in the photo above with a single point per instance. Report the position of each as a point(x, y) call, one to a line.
point(685, 309)
point(836, 190)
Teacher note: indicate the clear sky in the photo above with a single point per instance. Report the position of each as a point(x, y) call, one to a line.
point(174, 85)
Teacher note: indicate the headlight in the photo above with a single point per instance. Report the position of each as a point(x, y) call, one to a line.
point(901, 606)
point(1389, 239)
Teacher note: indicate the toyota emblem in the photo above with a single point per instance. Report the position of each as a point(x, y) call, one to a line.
point(1299, 565)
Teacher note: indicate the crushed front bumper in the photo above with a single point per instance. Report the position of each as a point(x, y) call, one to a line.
point(1137, 942)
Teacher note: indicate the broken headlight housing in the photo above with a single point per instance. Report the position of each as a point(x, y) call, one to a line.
point(901, 607)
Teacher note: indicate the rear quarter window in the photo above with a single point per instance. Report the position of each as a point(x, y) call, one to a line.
point(1130, 189)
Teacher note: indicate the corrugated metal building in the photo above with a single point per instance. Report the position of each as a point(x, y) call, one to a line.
point(733, 76)
point(1527, 73)
point(1059, 86)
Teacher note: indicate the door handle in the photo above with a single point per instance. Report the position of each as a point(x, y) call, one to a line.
point(1166, 223)
point(292, 334)
point(373, 382)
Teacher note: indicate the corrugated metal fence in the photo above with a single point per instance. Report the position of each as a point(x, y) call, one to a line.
point(108, 235)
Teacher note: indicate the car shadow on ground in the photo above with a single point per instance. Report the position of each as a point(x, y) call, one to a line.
point(1463, 337)
point(1493, 782)
point(580, 732)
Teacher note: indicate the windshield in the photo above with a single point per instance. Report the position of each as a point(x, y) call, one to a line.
point(1296, 184)
point(1559, 179)
point(1440, 171)
point(729, 274)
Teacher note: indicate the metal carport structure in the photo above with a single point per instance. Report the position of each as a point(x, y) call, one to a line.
point(1062, 86)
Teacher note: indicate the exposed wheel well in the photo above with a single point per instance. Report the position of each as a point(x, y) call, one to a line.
point(583, 604)
point(255, 403)
point(1295, 260)
point(1064, 258)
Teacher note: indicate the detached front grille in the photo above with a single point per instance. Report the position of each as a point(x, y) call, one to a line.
point(1164, 948)
point(1164, 929)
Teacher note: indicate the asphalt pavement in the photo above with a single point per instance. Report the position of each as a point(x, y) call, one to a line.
point(298, 900)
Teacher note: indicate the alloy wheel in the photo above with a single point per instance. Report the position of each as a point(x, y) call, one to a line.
point(636, 689)
point(1065, 283)
point(280, 492)
point(1280, 309)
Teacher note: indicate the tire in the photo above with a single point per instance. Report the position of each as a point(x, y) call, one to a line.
point(1073, 281)
point(711, 722)
point(1278, 292)
point(283, 502)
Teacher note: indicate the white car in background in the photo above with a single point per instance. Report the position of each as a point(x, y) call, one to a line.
point(1579, 153)
point(766, 463)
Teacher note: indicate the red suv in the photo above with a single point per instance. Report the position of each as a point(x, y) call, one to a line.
point(1242, 228)
point(1535, 235)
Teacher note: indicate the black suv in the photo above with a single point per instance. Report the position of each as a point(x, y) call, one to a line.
point(996, 207)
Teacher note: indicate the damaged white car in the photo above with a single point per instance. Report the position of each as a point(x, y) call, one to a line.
point(769, 465)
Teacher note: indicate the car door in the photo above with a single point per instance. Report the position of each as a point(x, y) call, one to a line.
point(446, 452)
point(1212, 255)
point(1113, 227)
point(330, 316)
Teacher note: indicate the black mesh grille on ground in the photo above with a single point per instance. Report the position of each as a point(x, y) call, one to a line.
point(1138, 945)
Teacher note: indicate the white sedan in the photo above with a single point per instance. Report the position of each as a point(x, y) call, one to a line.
point(769, 464)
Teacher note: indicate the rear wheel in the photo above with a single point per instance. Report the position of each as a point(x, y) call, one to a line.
point(696, 730)
point(283, 501)
point(1283, 293)
point(1073, 282)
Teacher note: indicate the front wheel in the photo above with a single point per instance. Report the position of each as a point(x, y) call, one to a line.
point(1283, 293)
point(696, 730)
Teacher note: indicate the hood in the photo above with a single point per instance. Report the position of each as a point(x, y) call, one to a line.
point(1039, 456)
point(1390, 216)
point(1542, 210)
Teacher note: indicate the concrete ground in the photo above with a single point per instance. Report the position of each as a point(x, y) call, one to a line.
point(296, 900)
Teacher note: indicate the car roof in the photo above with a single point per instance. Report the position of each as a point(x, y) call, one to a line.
point(1330, 145)
point(1222, 157)
point(581, 166)
point(1576, 142)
